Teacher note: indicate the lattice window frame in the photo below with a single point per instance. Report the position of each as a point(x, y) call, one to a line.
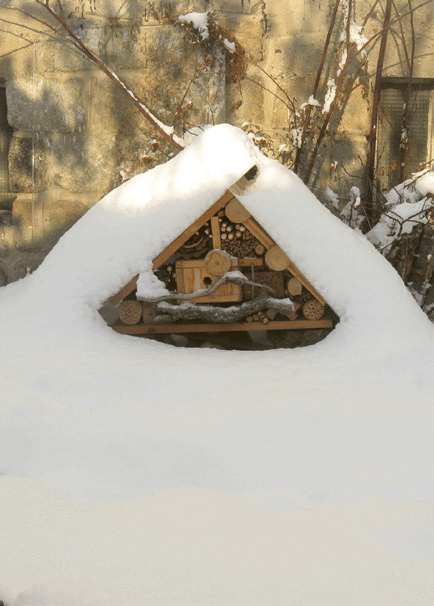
point(389, 129)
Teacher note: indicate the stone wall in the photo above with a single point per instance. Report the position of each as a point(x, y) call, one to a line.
point(75, 136)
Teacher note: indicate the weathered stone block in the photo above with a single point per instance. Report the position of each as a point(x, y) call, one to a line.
point(80, 162)
point(28, 163)
point(58, 216)
point(45, 104)
point(357, 115)
point(23, 217)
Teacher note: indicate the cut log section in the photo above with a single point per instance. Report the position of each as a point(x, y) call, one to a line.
point(276, 258)
point(130, 312)
point(149, 312)
point(236, 212)
point(217, 262)
point(271, 313)
point(313, 310)
point(294, 287)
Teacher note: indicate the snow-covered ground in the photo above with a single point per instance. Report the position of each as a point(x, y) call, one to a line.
point(136, 473)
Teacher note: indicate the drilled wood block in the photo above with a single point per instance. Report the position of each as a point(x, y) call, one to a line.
point(274, 279)
point(130, 312)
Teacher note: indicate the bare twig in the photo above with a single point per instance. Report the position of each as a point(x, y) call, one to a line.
point(306, 118)
point(166, 132)
point(406, 115)
point(376, 99)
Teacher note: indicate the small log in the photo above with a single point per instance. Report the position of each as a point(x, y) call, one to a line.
point(294, 287)
point(255, 317)
point(249, 319)
point(276, 258)
point(130, 312)
point(293, 314)
point(271, 313)
point(313, 310)
point(259, 249)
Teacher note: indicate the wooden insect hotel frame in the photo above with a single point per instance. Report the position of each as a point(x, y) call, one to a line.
point(224, 273)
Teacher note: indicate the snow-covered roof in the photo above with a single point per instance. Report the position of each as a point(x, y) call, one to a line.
point(120, 236)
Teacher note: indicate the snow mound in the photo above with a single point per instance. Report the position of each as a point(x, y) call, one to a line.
point(119, 237)
point(133, 472)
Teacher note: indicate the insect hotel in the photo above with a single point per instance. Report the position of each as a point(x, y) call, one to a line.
point(224, 273)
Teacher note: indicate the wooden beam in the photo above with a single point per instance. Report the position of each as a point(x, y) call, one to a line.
point(127, 289)
point(259, 232)
point(186, 235)
point(142, 329)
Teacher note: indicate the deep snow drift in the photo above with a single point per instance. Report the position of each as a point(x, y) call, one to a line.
point(286, 476)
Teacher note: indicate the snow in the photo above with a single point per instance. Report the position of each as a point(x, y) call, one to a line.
point(139, 473)
point(229, 46)
point(412, 190)
point(312, 102)
point(401, 220)
point(407, 205)
point(199, 21)
point(330, 95)
point(332, 197)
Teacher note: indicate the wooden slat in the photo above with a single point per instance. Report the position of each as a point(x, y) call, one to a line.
point(235, 264)
point(188, 263)
point(215, 230)
point(127, 289)
point(250, 262)
point(142, 329)
point(186, 235)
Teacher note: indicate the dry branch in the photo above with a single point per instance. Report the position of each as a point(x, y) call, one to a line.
point(233, 277)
